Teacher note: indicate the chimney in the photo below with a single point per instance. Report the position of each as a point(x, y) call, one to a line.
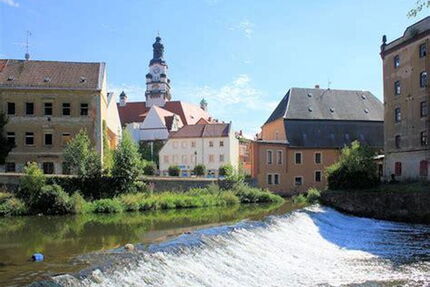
point(317, 86)
point(122, 99)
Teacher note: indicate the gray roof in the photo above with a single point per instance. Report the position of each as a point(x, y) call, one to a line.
point(203, 131)
point(333, 134)
point(410, 32)
point(328, 104)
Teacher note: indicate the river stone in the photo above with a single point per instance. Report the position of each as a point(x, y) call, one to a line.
point(129, 247)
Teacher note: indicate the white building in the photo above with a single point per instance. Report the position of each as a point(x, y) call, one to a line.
point(212, 145)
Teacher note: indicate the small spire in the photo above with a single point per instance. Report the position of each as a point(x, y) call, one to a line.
point(27, 54)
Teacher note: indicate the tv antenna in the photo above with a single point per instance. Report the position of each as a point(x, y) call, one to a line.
point(27, 54)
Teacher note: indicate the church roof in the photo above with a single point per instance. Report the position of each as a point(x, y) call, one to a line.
point(203, 130)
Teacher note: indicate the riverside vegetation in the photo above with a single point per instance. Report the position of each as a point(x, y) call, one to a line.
point(115, 190)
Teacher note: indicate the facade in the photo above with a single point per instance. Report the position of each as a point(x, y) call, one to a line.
point(305, 133)
point(212, 145)
point(49, 102)
point(156, 117)
point(406, 99)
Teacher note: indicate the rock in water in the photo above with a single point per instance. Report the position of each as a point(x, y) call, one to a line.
point(129, 247)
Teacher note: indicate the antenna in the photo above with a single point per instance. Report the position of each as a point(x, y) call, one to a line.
point(27, 54)
point(328, 84)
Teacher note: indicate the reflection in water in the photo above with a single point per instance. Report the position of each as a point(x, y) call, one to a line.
point(62, 238)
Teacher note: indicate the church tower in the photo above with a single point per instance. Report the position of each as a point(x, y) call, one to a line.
point(157, 84)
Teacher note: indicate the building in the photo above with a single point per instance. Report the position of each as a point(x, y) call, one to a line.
point(156, 117)
point(406, 98)
point(305, 133)
point(244, 153)
point(212, 145)
point(47, 103)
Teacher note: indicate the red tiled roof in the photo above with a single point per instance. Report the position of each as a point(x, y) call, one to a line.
point(51, 74)
point(205, 131)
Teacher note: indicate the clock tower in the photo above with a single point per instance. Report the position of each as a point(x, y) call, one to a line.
point(157, 84)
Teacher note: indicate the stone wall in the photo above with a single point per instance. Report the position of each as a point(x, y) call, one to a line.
point(406, 206)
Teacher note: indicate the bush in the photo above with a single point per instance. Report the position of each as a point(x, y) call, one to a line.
point(300, 199)
point(313, 195)
point(51, 200)
point(10, 205)
point(31, 183)
point(226, 170)
point(107, 206)
point(78, 204)
point(200, 170)
point(249, 194)
point(355, 169)
point(174, 170)
point(150, 168)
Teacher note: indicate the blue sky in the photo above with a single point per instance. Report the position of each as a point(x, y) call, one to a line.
point(241, 55)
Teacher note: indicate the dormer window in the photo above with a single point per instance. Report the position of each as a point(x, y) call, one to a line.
point(366, 110)
point(363, 96)
point(83, 79)
point(309, 95)
point(331, 109)
point(10, 78)
point(396, 62)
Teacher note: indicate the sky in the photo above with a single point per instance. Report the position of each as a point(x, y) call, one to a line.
point(242, 56)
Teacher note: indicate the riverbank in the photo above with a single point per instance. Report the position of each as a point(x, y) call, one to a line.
point(408, 202)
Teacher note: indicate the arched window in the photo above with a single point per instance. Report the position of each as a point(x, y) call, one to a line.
point(424, 168)
point(398, 168)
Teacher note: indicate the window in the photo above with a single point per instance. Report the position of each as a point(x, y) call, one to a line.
point(193, 144)
point(65, 138)
point(398, 168)
point(397, 141)
point(423, 79)
point(48, 139)
point(10, 108)
point(276, 179)
point(318, 176)
point(298, 157)
point(29, 138)
point(269, 157)
point(48, 109)
point(279, 156)
point(423, 109)
point(221, 158)
point(424, 138)
point(397, 88)
point(298, 180)
point(396, 61)
point(11, 138)
point(66, 109)
point(221, 143)
point(48, 167)
point(211, 158)
point(166, 159)
point(269, 179)
point(84, 109)
point(211, 144)
point(10, 167)
point(318, 158)
point(423, 50)
point(29, 108)
point(397, 115)
point(424, 170)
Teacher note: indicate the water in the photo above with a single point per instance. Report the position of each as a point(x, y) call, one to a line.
point(65, 239)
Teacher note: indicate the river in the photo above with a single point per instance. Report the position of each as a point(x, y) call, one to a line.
point(237, 246)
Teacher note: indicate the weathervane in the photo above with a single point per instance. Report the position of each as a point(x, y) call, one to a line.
point(27, 54)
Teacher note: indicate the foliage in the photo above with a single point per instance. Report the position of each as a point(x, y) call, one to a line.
point(81, 158)
point(107, 152)
point(127, 163)
point(300, 199)
point(419, 6)
point(150, 168)
point(312, 196)
point(51, 200)
point(249, 194)
point(10, 205)
point(355, 169)
point(200, 170)
point(226, 170)
point(31, 183)
point(5, 147)
point(150, 150)
point(77, 203)
point(107, 205)
point(174, 170)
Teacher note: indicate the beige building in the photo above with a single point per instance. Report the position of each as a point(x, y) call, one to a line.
point(47, 103)
point(406, 98)
point(305, 133)
point(212, 145)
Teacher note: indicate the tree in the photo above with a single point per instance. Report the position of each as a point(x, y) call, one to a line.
point(80, 158)
point(127, 162)
point(174, 170)
point(107, 152)
point(150, 168)
point(419, 6)
point(5, 146)
point(150, 150)
point(32, 183)
point(226, 170)
point(355, 169)
point(200, 170)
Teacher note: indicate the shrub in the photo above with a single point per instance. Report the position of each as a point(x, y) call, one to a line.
point(150, 168)
point(226, 170)
point(31, 183)
point(10, 205)
point(300, 199)
point(200, 170)
point(249, 194)
point(313, 195)
point(51, 200)
point(78, 204)
point(355, 169)
point(107, 206)
point(174, 170)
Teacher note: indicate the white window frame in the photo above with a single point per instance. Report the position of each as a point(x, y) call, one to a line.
point(25, 138)
point(295, 157)
point(280, 159)
point(315, 175)
point(303, 181)
point(267, 156)
point(315, 157)
point(279, 179)
point(267, 178)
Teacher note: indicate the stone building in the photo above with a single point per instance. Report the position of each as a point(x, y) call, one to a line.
point(212, 145)
point(406, 98)
point(306, 132)
point(47, 103)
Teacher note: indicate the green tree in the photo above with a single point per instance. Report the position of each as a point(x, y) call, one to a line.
point(127, 164)
point(107, 152)
point(5, 146)
point(31, 183)
point(150, 150)
point(174, 170)
point(200, 170)
point(355, 169)
point(150, 168)
point(419, 6)
point(226, 170)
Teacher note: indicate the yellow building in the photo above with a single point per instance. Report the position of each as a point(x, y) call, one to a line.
point(406, 100)
point(47, 103)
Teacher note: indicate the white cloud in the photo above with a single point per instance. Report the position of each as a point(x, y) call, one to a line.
point(246, 27)
point(11, 3)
